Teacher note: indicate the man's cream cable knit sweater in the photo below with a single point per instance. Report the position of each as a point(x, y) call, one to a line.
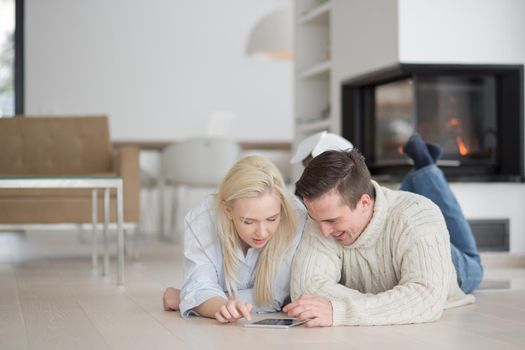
point(398, 271)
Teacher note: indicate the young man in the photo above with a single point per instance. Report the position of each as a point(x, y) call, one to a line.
point(370, 255)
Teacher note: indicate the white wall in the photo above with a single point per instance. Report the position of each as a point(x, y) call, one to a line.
point(157, 68)
point(496, 201)
point(364, 38)
point(462, 31)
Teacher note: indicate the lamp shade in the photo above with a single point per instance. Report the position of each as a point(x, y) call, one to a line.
point(271, 36)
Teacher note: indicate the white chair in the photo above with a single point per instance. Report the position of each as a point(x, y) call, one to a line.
point(149, 183)
point(197, 164)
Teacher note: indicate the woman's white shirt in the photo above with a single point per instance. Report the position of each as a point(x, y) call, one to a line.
point(204, 262)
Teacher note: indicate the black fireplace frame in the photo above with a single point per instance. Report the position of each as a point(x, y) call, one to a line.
point(357, 114)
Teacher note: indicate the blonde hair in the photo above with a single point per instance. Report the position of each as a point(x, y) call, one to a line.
point(252, 177)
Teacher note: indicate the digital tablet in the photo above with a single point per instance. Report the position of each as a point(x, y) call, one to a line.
point(275, 323)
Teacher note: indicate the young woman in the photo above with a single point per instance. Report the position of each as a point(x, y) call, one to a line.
point(239, 245)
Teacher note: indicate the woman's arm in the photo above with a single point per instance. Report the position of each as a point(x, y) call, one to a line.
point(202, 291)
point(224, 310)
point(210, 307)
point(202, 259)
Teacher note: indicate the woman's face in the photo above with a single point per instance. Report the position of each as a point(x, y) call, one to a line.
point(255, 219)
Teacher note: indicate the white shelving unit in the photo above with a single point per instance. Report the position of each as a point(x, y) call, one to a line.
point(319, 69)
point(313, 69)
point(311, 127)
point(316, 11)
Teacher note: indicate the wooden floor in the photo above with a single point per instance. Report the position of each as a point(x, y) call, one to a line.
point(51, 299)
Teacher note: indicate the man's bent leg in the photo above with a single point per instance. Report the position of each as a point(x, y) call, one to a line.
point(468, 270)
point(430, 182)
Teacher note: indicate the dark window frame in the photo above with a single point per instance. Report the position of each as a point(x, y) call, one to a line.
point(19, 57)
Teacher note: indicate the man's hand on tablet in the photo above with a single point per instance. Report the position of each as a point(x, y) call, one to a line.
point(316, 309)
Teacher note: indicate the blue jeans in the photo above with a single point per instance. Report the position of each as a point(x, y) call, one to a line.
point(430, 182)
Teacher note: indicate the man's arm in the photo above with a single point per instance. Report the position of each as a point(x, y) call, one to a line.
point(419, 296)
point(316, 264)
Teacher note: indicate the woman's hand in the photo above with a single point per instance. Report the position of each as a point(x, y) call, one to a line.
point(171, 299)
point(234, 310)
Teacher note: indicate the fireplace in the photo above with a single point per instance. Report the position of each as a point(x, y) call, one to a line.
point(475, 112)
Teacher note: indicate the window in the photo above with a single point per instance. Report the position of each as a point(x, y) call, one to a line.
point(11, 46)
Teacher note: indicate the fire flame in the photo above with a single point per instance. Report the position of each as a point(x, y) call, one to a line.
point(455, 125)
point(463, 150)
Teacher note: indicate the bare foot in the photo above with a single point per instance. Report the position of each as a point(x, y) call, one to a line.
point(171, 299)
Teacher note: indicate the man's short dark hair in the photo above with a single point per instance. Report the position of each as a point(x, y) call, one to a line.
point(344, 171)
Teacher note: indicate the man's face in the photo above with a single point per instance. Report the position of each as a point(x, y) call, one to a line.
point(336, 219)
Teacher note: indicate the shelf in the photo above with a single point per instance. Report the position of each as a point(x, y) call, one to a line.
point(318, 69)
point(316, 15)
point(316, 125)
point(312, 76)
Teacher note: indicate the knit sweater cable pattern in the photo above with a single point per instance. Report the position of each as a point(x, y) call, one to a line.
point(398, 271)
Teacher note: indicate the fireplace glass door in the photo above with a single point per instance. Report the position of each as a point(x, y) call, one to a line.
point(458, 113)
point(475, 113)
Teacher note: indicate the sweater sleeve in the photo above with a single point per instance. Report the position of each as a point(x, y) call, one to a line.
point(419, 296)
point(317, 266)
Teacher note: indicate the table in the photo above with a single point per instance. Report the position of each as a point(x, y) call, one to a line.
point(88, 182)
